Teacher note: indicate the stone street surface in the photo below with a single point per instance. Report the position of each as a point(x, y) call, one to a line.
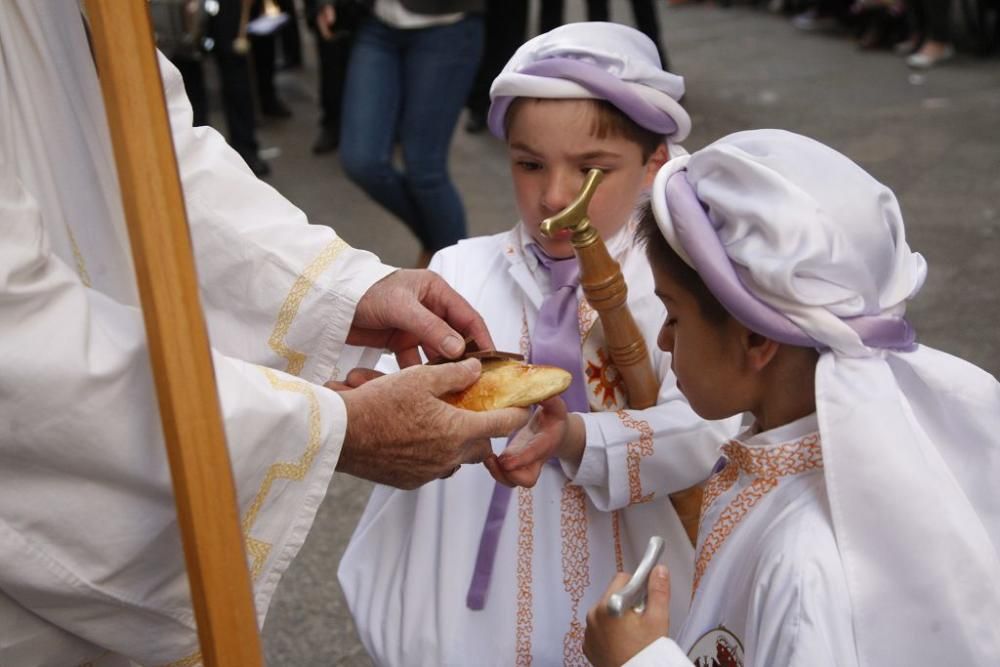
point(932, 137)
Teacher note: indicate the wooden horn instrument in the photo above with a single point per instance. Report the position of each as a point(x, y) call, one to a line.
point(605, 289)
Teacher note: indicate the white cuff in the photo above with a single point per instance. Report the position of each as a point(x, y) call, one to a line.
point(661, 653)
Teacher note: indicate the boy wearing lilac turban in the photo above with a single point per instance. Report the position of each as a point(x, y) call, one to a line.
point(856, 522)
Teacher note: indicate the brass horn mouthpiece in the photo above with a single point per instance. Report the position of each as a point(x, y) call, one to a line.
point(574, 217)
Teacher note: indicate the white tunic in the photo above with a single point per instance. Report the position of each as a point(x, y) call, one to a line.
point(92, 569)
point(772, 590)
point(408, 567)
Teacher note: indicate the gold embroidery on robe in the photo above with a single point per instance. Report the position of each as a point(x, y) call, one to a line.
point(290, 308)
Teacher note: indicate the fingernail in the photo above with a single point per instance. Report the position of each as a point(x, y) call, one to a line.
point(660, 571)
point(453, 346)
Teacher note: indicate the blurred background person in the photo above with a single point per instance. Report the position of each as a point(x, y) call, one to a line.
point(643, 11)
point(283, 27)
point(410, 71)
point(219, 30)
point(506, 23)
point(334, 26)
point(930, 42)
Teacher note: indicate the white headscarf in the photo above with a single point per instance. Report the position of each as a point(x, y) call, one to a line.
point(911, 435)
point(595, 60)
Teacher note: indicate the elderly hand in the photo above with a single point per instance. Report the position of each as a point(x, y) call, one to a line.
point(400, 433)
point(614, 641)
point(407, 309)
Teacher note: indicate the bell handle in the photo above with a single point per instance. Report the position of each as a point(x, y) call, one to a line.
point(574, 217)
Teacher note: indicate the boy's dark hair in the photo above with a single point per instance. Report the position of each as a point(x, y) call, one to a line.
point(661, 255)
point(609, 121)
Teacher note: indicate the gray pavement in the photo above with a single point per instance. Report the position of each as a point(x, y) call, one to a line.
point(934, 138)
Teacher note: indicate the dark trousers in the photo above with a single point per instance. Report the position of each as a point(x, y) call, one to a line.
point(234, 79)
point(333, 58)
point(506, 22)
point(644, 12)
point(265, 51)
point(930, 19)
point(550, 15)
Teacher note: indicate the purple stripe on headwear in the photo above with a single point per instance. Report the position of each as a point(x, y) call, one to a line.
point(598, 81)
point(696, 233)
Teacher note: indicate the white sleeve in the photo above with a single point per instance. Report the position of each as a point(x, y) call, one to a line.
point(661, 653)
point(276, 290)
point(631, 454)
point(88, 531)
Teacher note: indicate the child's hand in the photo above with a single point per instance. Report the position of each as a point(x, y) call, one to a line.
point(541, 439)
point(615, 641)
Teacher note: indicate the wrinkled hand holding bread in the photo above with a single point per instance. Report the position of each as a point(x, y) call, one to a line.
point(505, 383)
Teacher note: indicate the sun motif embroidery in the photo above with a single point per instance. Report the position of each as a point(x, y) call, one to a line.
point(606, 377)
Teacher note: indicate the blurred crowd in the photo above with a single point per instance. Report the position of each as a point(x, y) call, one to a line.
point(925, 33)
point(395, 75)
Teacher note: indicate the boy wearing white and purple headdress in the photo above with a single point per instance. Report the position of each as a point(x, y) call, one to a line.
point(467, 571)
point(857, 521)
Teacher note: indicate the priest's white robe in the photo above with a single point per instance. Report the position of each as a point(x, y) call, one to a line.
point(772, 590)
point(408, 566)
point(91, 568)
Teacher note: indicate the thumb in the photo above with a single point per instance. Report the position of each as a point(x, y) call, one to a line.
point(435, 335)
point(441, 379)
point(658, 596)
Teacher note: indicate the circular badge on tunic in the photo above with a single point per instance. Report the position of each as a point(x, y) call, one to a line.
point(717, 648)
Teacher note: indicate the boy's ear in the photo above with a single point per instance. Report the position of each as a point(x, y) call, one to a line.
point(758, 350)
point(655, 161)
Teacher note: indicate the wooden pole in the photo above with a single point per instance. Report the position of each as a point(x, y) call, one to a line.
point(175, 327)
point(604, 286)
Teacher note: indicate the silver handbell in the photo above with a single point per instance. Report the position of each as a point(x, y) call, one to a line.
point(633, 594)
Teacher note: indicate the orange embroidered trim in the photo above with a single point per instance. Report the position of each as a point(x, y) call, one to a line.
point(767, 465)
point(525, 550)
point(717, 484)
point(635, 451)
point(586, 316)
point(575, 567)
point(616, 527)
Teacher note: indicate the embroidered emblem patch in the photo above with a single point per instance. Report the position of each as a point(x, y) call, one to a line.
point(717, 648)
point(603, 380)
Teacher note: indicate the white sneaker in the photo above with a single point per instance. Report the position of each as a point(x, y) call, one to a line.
point(810, 21)
point(921, 60)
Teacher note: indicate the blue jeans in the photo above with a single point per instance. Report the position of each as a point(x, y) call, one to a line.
point(410, 86)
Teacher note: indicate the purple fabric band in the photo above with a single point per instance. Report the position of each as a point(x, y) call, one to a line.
point(555, 341)
point(483, 570)
point(696, 233)
point(598, 81)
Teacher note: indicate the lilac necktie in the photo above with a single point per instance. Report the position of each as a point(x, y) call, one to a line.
point(556, 338)
point(555, 341)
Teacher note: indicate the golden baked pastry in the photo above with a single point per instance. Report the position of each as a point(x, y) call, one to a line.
point(505, 383)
